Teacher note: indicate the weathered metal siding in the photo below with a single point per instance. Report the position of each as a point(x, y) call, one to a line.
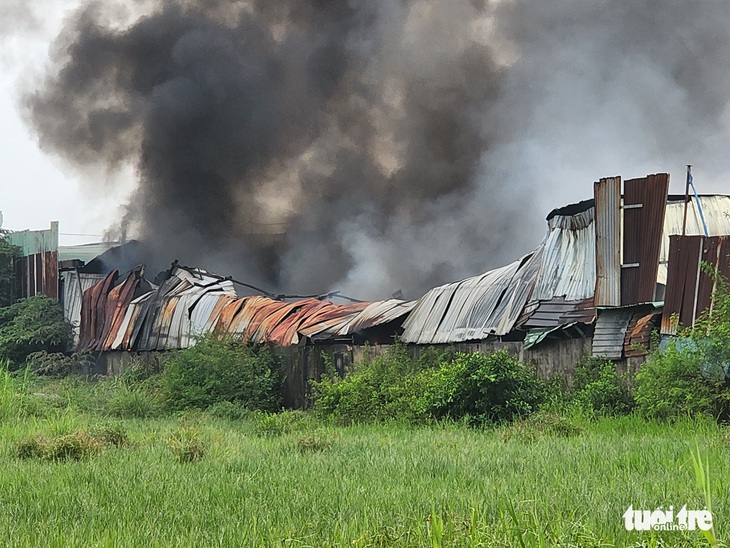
point(475, 308)
point(610, 332)
point(689, 289)
point(607, 193)
point(645, 202)
point(36, 270)
point(716, 210)
point(568, 259)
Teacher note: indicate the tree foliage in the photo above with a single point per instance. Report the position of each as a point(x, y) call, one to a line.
point(8, 252)
point(33, 325)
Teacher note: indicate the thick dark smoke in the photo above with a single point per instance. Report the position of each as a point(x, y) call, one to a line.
point(367, 146)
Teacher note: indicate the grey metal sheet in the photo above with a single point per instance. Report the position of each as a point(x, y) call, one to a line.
point(607, 194)
point(610, 332)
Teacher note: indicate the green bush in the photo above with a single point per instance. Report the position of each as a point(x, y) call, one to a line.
point(186, 444)
point(599, 389)
point(32, 325)
point(688, 375)
point(478, 388)
point(220, 369)
point(486, 388)
point(53, 364)
point(387, 387)
point(671, 384)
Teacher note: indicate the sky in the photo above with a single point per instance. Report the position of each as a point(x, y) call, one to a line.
point(37, 187)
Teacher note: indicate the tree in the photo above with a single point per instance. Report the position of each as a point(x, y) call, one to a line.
point(8, 252)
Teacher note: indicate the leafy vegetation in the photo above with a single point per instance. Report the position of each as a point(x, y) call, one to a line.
point(8, 252)
point(599, 389)
point(32, 325)
point(219, 369)
point(688, 375)
point(477, 388)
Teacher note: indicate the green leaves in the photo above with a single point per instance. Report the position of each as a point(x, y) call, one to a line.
point(32, 325)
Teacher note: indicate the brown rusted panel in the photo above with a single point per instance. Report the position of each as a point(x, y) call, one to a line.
point(674, 294)
point(638, 335)
point(50, 288)
point(39, 271)
point(93, 306)
point(706, 285)
point(643, 228)
point(607, 194)
point(692, 258)
point(723, 254)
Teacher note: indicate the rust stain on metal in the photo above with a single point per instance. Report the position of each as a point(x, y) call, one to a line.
point(689, 289)
point(645, 202)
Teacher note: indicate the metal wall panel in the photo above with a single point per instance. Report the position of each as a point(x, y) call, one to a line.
point(643, 223)
point(607, 193)
point(689, 289)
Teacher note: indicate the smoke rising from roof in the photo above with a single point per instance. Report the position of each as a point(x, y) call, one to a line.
point(370, 146)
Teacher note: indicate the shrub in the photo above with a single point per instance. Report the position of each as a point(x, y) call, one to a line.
point(599, 389)
point(232, 411)
point(74, 446)
point(53, 364)
point(220, 369)
point(487, 388)
point(32, 325)
point(671, 384)
point(688, 375)
point(271, 425)
point(386, 387)
point(114, 435)
point(314, 443)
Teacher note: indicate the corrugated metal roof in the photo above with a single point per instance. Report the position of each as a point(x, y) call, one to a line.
point(192, 302)
point(73, 289)
point(84, 252)
point(557, 312)
point(568, 262)
point(474, 308)
point(607, 194)
point(610, 332)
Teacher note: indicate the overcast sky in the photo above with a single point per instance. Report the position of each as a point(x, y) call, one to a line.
point(36, 188)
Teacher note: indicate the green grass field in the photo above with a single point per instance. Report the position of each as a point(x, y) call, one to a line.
point(289, 480)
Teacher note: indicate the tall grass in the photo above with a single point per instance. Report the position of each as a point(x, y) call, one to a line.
point(291, 481)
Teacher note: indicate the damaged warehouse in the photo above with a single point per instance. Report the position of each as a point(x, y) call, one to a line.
point(609, 271)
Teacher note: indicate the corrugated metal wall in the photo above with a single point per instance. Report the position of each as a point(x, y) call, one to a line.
point(36, 270)
point(645, 202)
point(689, 289)
point(607, 194)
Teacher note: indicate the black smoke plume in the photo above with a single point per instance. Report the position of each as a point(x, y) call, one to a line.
point(308, 145)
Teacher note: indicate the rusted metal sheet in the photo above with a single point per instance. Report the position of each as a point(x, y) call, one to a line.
point(607, 194)
point(637, 341)
point(645, 202)
point(689, 289)
point(74, 285)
